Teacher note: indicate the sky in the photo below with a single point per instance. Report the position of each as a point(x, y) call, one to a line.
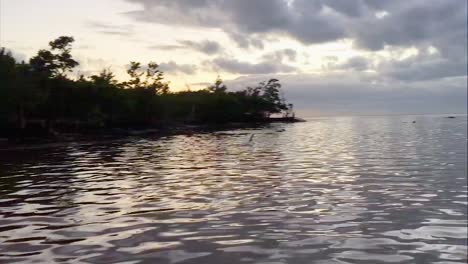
point(333, 57)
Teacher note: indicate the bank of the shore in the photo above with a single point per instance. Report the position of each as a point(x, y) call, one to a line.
point(18, 141)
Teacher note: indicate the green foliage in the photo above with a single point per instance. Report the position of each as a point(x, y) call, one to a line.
point(41, 90)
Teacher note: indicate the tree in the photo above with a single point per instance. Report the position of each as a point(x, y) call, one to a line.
point(271, 95)
point(218, 87)
point(265, 98)
point(7, 79)
point(107, 92)
point(57, 61)
point(53, 65)
point(154, 77)
point(19, 92)
point(104, 79)
point(41, 91)
point(146, 84)
point(151, 78)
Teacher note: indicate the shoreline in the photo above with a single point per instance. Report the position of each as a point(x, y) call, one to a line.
point(111, 134)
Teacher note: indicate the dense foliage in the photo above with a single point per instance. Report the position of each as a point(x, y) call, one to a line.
point(41, 94)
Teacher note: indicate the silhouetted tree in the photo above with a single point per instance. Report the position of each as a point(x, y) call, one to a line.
point(271, 95)
point(53, 65)
point(7, 87)
point(42, 90)
point(57, 61)
point(19, 91)
point(218, 86)
point(150, 78)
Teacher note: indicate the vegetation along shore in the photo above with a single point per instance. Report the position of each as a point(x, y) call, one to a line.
point(39, 99)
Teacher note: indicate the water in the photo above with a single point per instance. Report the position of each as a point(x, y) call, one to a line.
point(332, 190)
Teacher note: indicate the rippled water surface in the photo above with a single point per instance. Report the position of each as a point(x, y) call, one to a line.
point(331, 190)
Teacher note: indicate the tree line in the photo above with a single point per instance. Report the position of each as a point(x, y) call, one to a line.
point(40, 93)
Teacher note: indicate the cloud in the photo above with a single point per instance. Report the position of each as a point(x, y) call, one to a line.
point(406, 23)
point(378, 30)
point(423, 67)
point(205, 84)
point(426, 64)
point(346, 7)
point(356, 63)
point(281, 55)
point(247, 41)
point(178, 12)
point(84, 47)
point(118, 30)
point(412, 23)
point(207, 47)
point(240, 18)
point(167, 47)
point(89, 66)
point(240, 67)
point(174, 68)
point(348, 93)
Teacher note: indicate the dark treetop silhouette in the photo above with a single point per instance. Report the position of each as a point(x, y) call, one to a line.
point(39, 97)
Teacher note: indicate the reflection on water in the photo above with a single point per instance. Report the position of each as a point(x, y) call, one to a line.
point(335, 190)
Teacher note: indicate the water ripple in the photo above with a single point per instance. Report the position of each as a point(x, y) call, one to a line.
point(335, 190)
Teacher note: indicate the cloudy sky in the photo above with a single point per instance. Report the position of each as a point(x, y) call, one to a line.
point(332, 56)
